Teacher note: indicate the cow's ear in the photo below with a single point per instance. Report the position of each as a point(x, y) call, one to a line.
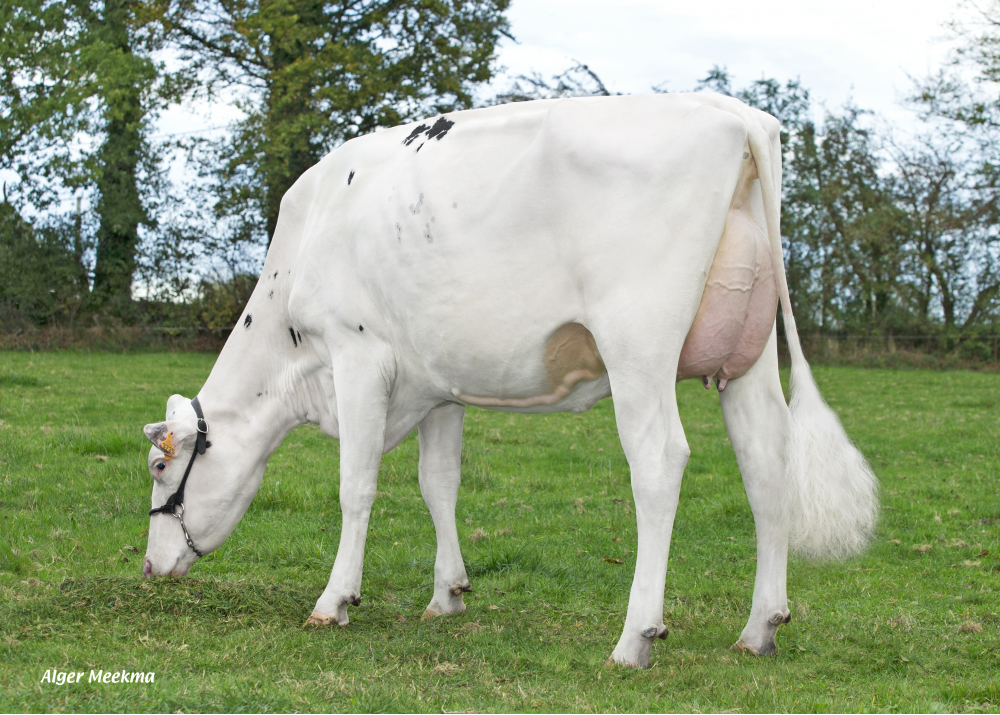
point(173, 402)
point(168, 437)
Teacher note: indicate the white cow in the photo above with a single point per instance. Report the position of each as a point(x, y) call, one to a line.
point(532, 257)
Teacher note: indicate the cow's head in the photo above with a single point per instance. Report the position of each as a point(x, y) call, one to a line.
point(216, 493)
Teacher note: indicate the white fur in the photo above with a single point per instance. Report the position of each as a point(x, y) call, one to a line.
point(832, 495)
point(831, 499)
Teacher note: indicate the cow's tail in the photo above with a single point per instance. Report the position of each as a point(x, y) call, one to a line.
point(831, 493)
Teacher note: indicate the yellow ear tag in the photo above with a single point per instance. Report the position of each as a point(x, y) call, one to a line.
point(167, 446)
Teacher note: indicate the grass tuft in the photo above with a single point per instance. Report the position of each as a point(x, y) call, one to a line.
point(13, 379)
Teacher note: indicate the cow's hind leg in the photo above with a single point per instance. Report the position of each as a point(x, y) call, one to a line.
point(657, 452)
point(642, 380)
point(440, 474)
point(757, 421)
point(362, 400)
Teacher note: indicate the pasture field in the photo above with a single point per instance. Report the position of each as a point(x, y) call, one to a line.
point(548, 534)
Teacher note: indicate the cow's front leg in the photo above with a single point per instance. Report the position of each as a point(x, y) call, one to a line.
point(757, 421)
point(440, 474)
point(657, 452)
point(362, 399)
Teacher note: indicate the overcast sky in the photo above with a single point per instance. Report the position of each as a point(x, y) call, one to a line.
point(839, 49)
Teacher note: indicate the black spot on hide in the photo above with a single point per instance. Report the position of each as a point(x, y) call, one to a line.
point(299, 334)
point(437, 131)
point(361, 328)
point(246, 321)
point(275, 275)
point(294, 341)
point(440, 128)
point(271, 294)
point(259, 394)
point(414, 134)
point(399, 232)
point(350, 177)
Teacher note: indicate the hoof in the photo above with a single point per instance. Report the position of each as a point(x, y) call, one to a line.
point(447, 602)
point(741, 647)
point(613, 662)
point(321, 619)
point(634, 646)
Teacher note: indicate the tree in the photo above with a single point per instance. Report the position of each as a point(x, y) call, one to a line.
point(577, 81)
point(81, 74)
point(951, 175)
point(119, 52)
point(952, 224)
point(42, 100)
point(313, 74)
point(841, 210)
point(40, 278)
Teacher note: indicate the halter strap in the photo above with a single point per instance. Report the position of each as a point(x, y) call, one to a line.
point(177, 498)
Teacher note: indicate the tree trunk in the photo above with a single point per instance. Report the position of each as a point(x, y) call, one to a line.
point(119, 204)
point(291, 157)
point(290, 139)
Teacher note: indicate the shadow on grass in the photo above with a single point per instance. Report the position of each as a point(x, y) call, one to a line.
point(505, 559)
point(12, 379)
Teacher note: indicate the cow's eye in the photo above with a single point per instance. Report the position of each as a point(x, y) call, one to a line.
point(160, 466)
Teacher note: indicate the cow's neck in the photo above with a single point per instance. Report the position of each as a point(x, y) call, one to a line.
point(262, 385)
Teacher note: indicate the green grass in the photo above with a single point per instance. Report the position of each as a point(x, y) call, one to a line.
point(895, 630)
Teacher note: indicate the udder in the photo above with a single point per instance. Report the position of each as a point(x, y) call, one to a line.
point(738, 306)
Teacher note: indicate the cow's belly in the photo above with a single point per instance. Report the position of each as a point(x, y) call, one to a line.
point(570, 377)
point(738, 306)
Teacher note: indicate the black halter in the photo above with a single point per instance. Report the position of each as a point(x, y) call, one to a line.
point(177, 498)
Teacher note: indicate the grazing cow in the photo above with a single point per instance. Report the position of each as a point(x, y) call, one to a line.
point(531, 257)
